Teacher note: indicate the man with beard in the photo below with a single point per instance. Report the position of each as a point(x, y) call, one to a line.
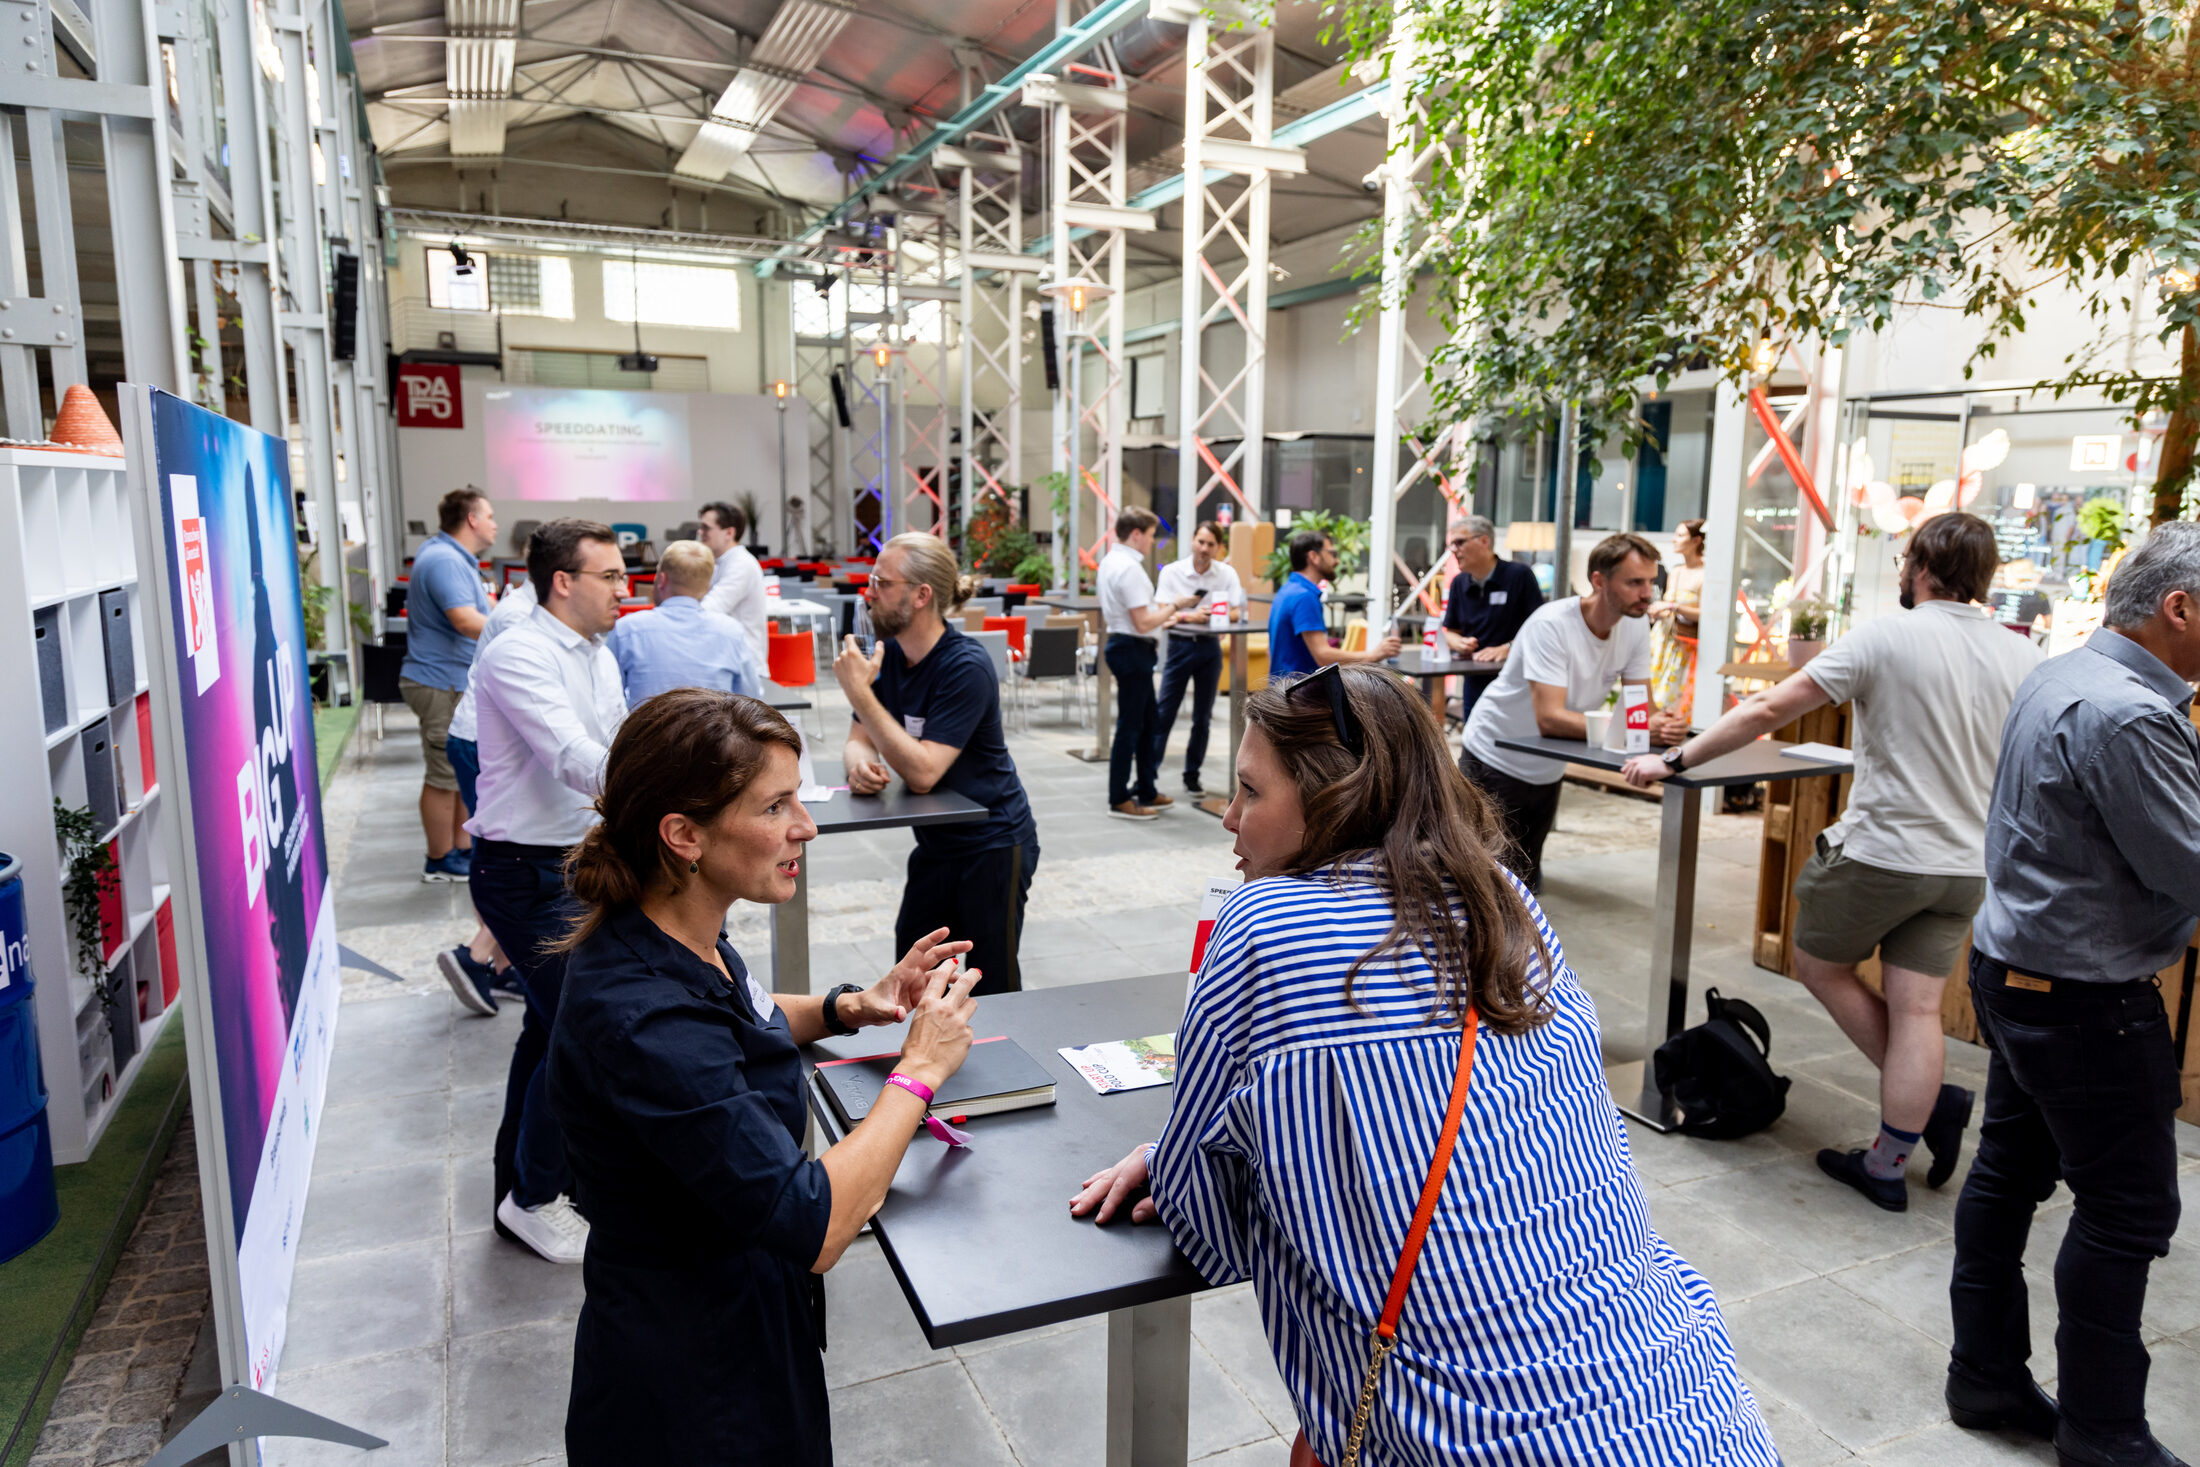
point(1904, 869)
point(1564, 662)
point(928, 707)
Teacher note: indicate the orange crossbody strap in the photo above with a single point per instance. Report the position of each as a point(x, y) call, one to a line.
point(1394, 1305)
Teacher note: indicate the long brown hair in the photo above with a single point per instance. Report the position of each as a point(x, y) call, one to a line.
point(687, 752)
point(1431, 835)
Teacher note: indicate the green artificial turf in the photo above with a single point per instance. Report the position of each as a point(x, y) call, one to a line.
point(331, 732)
point(48, 1292)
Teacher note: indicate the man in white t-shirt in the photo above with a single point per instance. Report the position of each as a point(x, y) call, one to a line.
point(1904, 869)
point(1194, 584)
point(1564, 662)
point(737, 584)
point(1134, 620)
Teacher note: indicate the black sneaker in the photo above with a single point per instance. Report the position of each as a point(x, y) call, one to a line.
point(1191, 785)
point(1944, 1132)
point(1893, 1193)
point(1977, 1405)
point(469, 981)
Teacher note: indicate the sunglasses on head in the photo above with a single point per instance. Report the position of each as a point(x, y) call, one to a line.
point(1330, 681)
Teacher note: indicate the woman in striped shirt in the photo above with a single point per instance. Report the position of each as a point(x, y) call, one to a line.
point(1546, 1322)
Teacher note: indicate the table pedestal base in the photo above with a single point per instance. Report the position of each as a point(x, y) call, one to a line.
point(1150, 1384)
point(791, 935)
point(1638, 1099)
point(1215, 805)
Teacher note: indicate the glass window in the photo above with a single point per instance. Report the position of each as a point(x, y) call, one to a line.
point(655, 293)
point(532, 285)
point(455, 287)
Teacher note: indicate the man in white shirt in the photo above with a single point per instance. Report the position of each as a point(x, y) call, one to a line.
point(548, 703)
point(1194, 584)
point(1903, 871)
point(737, 585)
point(1563, 664)
point(1134, 621)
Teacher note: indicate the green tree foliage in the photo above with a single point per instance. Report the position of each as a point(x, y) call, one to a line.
point(1632, 185)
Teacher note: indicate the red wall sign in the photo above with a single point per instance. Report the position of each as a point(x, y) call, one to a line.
point(428, 396)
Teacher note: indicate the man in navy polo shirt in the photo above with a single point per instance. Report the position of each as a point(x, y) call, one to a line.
point(1298, 634)
point(1489, 602)
point(445, 610)
point(927, 707)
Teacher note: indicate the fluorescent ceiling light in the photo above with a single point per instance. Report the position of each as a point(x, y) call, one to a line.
point(789, 49)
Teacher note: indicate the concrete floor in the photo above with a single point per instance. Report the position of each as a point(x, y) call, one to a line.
point(411, 1319)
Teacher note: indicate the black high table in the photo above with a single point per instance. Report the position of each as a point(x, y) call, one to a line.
point(982, 1242)
point(1240, 674)
point(1673, 916)
point(892, 808)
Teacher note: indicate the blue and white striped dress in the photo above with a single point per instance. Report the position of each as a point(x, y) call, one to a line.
point(1547, 1323)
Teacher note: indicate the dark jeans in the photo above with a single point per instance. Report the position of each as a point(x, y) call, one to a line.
point(1131, 661)
point(1197, 661)
point(520, 893)
point(1528, 811)
point(2081, 1087)
point(465, 757)
point(979, 898)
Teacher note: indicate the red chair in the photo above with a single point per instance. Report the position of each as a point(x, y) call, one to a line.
point(792, 661)
point(1015, 626)
point(775, 563)
point(1028, 590)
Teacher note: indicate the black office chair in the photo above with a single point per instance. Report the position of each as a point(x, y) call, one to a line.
point(379, 664)
point(1050, 654)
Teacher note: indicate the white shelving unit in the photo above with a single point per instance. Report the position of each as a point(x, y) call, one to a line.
point(75, 727)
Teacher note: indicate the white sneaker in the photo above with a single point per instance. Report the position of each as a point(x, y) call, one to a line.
point(556, 1230)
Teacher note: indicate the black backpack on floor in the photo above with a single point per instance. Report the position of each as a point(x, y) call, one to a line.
point(1719, 1074)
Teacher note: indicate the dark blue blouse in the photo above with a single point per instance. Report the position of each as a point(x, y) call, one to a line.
point(701, 1336)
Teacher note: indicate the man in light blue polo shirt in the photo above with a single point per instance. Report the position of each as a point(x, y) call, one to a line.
point(445, 610)
point(1298, 634)
point(684, 644)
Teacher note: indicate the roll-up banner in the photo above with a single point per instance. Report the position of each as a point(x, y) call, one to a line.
point(212, 511)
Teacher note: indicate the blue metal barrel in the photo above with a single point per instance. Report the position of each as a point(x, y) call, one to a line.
point(28, 1207)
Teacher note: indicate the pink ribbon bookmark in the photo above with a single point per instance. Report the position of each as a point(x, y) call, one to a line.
point(941, 1131)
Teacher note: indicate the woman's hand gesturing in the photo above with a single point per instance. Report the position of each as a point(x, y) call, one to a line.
point(939, 1029)
point(891, 999)
point(1108, 1188)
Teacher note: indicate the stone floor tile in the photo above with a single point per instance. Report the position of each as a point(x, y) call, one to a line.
point(1800, 1211)
point(476, 1111)
point(370, 1134)
point(868, 1323)
point(399, 1398)
point(1800, 1442)
point(1740, 1264)
point(1949, 1445)
point(508, 1392)
point(931, 1417)
point(1274, 1452)
point(368, 1303)
point(1227, 1324)
point(375, 1065)
point(2173, 1394)
point(350, 1210)
point(1860, 1375)
point(496, 1284)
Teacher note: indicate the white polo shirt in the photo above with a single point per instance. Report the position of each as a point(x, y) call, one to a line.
point(737, 589)
point(549, 702)
point(1124, 587)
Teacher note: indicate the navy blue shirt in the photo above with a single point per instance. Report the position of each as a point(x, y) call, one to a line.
point(1494, 612)
point(444, 574)
point(952, 697)
point(701, 1335)
point(1296, 611)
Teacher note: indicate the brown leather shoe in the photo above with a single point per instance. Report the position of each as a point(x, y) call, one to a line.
point(1159, 802)
point(1132, 810)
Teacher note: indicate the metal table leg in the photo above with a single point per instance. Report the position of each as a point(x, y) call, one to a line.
point(791, 935)
point(1150, 1384)
point(1673, 923)
point(1103, 693)
point(1240, 663)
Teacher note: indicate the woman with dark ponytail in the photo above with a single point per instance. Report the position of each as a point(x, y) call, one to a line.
point(1390, 1115)
point(678, 1081)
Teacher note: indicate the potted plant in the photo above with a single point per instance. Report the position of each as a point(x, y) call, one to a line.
point(1807, 620)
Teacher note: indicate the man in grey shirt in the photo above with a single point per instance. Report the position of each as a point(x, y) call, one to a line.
point(2092, 887)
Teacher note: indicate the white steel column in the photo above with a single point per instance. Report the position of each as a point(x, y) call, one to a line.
point(1229, 127)
point(816, 349)
point(925, 327)
point(1088, 220)
point(1723, 510)
point(991, 242)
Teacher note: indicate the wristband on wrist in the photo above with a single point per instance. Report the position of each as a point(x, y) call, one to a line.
point(941, 1131)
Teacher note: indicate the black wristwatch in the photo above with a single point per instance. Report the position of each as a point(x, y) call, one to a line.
point(833, 1024)
point(1672, 758)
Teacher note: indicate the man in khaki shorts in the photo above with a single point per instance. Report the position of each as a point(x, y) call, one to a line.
point(1904, 869)
point(445, 610)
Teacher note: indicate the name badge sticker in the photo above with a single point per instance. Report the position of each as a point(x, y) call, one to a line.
point(914, 724)
point(1497, 598)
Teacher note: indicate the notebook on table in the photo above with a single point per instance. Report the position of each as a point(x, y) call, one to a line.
point(997, 1076)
